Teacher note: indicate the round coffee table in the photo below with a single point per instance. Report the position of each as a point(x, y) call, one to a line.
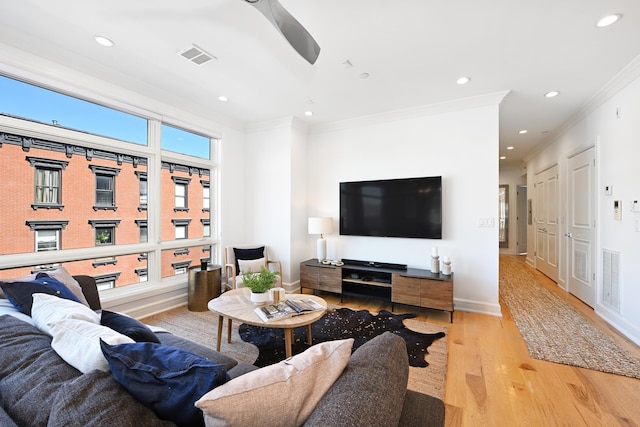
point(236, 305)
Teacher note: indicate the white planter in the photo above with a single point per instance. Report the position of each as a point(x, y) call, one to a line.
point(259, 298)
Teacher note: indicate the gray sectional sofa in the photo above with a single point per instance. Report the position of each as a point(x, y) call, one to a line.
point(38, 388)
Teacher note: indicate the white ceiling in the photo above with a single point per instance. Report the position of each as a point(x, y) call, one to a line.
point(413, 50)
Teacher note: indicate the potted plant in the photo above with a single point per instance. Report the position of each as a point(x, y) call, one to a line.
point(260, 283)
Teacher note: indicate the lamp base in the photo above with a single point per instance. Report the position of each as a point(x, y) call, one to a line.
point(321, 249)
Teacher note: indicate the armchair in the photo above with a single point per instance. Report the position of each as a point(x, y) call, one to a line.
point(240, 258)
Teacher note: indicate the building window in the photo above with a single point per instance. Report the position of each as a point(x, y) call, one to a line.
point(48, 182)
point(206, 227)
point(206, 198)
point(47, 234)
point(181, 267)
point(105, 187)
point(142, 274)
point(181, 193)
point(182, 228)
point(142, 225)
point(105, 231)
point(106, 281)
point(142, 177)
point(181, 251)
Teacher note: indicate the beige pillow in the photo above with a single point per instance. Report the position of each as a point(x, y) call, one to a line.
point(282, 394)
point(62, 275)
point(255, 265)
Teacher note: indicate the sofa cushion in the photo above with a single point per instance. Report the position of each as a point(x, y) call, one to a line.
point(247, 254)
point(48, 308)
point(31, 373)
point(20, 293)
point(62, 275)
point(371, 389)
point(133, 328)
point(251, 265)
point(422, 410)
point(78, 343)
point(108, 405)
point(258, 397)
point(192, 347)
point(165, 379)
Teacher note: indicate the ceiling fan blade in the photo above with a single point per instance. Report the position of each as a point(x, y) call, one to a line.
point(297, 36)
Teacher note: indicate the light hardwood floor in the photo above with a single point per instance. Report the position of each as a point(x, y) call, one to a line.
point(492, 381)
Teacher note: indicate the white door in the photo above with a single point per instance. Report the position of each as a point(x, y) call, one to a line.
point(521, 221)
point(546, 222)
point(581, 226)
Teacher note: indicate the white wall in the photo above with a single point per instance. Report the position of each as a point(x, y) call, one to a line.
point(460, 146)
point(617, 150)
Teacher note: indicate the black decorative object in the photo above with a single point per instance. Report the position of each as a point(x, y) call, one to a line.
point(339, 324)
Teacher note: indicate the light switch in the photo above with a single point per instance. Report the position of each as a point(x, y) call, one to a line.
point(617, 210)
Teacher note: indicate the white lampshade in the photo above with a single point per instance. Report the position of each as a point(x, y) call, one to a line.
point(320, 225)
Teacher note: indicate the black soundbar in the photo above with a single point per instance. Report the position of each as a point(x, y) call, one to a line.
point(374, 264)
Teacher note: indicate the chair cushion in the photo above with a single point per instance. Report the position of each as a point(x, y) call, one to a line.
point(256, 398)
point(166, 379)
point(247, 254)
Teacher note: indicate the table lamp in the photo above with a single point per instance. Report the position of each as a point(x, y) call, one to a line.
point(321, 226)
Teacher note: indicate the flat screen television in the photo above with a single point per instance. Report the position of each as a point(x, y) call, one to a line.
point(407, 207)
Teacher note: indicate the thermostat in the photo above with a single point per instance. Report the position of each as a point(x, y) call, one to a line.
point(617, 210)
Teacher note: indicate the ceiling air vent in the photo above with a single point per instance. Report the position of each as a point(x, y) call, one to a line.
point(196, 55)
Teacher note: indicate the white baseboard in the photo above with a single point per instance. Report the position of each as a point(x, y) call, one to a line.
point(621, 325)
point(477, 307)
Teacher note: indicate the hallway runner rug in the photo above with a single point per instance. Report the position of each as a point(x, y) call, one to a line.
point(553, 330)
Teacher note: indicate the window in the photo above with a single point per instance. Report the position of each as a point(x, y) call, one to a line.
point(105, 187)
point(182, 228)
point(205, 196)
point(206, 228)
point(142, 225)
point(181, 267)
point(48, 182)
point(47, 234)
point(106, 281)
point(108, 179)
point(142, 177)
point(105, 231)
point(181, 193)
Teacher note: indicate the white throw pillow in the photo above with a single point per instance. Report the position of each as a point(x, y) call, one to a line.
point(253, 265)
point(282, 394)
point(49, 308)
point(78, 343)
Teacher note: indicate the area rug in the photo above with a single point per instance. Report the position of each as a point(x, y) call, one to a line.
point(553, 330)
point(342, 323)
point(201, 327)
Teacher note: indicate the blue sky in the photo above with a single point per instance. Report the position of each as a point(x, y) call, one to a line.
point(35, 103)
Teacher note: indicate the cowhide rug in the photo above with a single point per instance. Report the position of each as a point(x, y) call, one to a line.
point(341, 323)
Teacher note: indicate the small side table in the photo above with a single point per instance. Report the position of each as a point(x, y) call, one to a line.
point(204, 285)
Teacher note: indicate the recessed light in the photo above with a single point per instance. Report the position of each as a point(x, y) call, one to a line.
point(510, 147)
point(101, 40)
point(503, 157)
point(523, 131)
point(364, 75)
point(463, 80)
point(223, 98)
point(308, 113)
point(609, 20)
point(552, 94)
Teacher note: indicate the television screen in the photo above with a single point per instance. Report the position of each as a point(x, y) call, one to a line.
point(409, 207)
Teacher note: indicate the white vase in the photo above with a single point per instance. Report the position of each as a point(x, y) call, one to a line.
point(259, 298)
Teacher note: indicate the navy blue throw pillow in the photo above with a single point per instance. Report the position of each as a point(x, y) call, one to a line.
point(20, 293)
point(164, 378)
point(133, 328)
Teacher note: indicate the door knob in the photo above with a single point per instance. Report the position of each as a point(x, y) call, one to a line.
point(568, 234)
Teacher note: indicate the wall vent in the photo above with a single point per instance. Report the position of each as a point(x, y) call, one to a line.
point(196, 55)
point(611, 279)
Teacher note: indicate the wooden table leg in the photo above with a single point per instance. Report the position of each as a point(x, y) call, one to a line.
point(309, 340)
point(288, 340)
point(229, 331)
point(220, 322)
